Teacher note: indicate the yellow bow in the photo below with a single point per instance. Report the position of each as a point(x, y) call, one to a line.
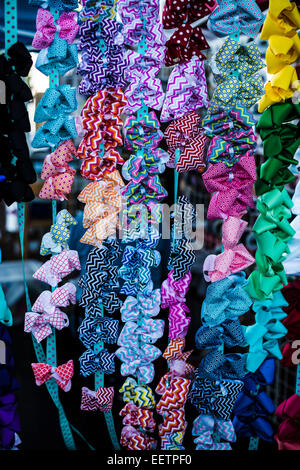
point(282, 51)
point(281, 87)
point(283, 18)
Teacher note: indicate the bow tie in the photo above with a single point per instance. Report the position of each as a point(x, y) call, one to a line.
point(190, 95)
point(207, 427)
point(5, 313)
point(229, 333)
point(136, 440)
point(139, 394)
point(91, 362)
point(145, 305)
point(231, 188)
point(232, 16)
point(140, 417)
point(56, 101)
point(60, 56)
point(175, 14)
point(143, 132)
point(289, 412)
point(57, 239)
point(93, 330)
point(138, 362)
point(101, 399)
point(62, 374)
point(66, 27)
point(234, 258)
point(55, 132)
point(186, 135)
point(185, 43)
point(58, 267)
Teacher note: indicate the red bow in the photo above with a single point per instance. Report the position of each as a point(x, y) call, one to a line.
point(136, 416)
point(288, 433)
point(101, 399)
point(176, 12)
point(186, 135)
point(184, 44)
point(62, 374)
point(96, 167)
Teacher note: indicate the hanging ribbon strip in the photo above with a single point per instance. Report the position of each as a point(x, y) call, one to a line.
point(102, 65)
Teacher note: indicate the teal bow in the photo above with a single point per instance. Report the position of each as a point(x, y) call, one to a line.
point(56, 101)
point(55, 132)
point(60, 56)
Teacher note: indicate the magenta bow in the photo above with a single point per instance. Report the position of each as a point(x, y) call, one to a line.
point(234, 258)
point(66, 27)
point(58, 267)
point(232, 188)
point(101, 399)
point(173, 296)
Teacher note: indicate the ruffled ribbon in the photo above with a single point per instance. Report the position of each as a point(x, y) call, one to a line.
point(62, 374)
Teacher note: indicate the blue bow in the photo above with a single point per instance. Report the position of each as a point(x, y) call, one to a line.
point(225, 300)
point(60, 56)
point(91, 362)
point(93, 330)
point(109, 300)
point(55, 102)
point(55, 132)
point(216, 365)
point(98, 281)
point(230, 334)
point(59, 4)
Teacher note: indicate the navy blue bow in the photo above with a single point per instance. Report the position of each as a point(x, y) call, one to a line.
point(93, 330)
point(91, 362)
point(229, 333)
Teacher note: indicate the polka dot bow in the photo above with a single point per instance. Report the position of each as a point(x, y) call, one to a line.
point(176, 12)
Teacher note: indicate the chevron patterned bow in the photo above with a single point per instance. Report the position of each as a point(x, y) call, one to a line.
point(181, 259)
point(144, 163)
point(60, 56)
point(133, 31)
point(93, 330)
point(172, 441)
point(133, 334)
point(99, 281)
point(139, 394)
point(143, 132)
point(207, 427)
point(101, 399)
point(58, 267)
point(143, 305)
point(148, 190)
point(186, 90)
point(136, 440)
point(187, 11)
point(138, 361)
point(62, 374)
point(186, 135)
point(174, 393)
point(229, 333)
point(91, 362)
point(177, 358)
point(66, 27)
point(232, 17)
point(185, 43)
point(234, 258)
point(140, 417)
point(96, 167)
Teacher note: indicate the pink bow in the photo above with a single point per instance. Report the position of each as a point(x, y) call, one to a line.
point(56, 172)
point(66, 27)
point(234, 258)
point(62, 374)
point(58, 267)
point(232, 188)
point(101, 399)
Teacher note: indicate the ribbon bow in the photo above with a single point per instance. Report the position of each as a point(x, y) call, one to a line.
point(57, 239)
point(282, 51)
point(58, 267)
point(62, 374)
point(288, 431)
point(174, 393)
point(140, 417)
point(186, 135)
point(55, 132)
point(133, 333)
point(60, 56)
point(138, 361)
point(281, 87)
point(206, 427)
point(186, 90)
point(143, 305)
point(253, 405)
point(216, 365)
point(175, 14)
point(185, 43)
point(139, 394)
point(93, 330)
point(136, 440)
point(101, 399)
point(232, 188)
point(172, 441)
point(229, 333)
point(56, 101)
point(148, 189)
point(282, 19)
point(231, 16)
point(91, 362)
point(142, 132)
point(234, 258)
point(66, 27)
point(181, 259)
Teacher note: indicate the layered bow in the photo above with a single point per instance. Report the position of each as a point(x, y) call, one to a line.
point(206, 428)
point(186, 90)
point(58, 267)
point(282, 86)
point(55, 132)
point(93, 330)
point(57, 239)
point(143, 164)
point(282, 19)
point(133, 334)
point(186, 42)
point(66, 27)
point(138, 361)
point(101, 399)
point(229, 333)
point(288, 411)
point(186, 12)
point(136, 440)
point(234, 258)
point(139, 394)
point(136, 416)
point(62, 374)
point(60, 56)
point(236, 17)
point(146, 305)
point(91, 362)
point(216, 365)
point(142, 131)
point(181, 259)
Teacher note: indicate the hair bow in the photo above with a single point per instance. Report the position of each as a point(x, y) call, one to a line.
point(231, 16)
point(101, 399)
point(57, 239)
point(91, 362)
point(144, 163)
point(146, 305)
point(174, 393)
point(93, 330)
point(172, 441)
point(181, 259)
point(282, 86)
point(5, 313)
point(138, 361)
point(229, 333)
point(234, 258)
point(66, 27)
point(60, 56)
point(216, 365)
point(140, 417)
point(136, 440)
point(133, 32)
point(56, 101)
point(62, 374)
point(232, 188)
point(282, 19)
point(147, 190)
point(133, 334)
point(253, 404)
point(58, 267)
point(177, 358)
point(282, 51)
point(98, 281)
point(263, 336)
point(215, 397)
point(97, 167)
point(176, 13)
point(142, 132)
point(59, 4)
point(55, 132)
point(139, 394)
point(289, 412)
point(186, 90)
point(131, 9)
point(186, 135)
point(207, 427)
point(186, 42)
